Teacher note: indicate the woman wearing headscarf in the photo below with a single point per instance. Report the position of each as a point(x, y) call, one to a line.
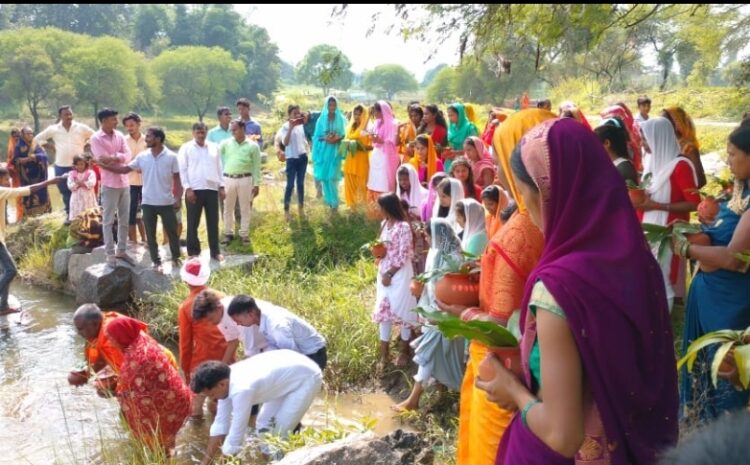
point(450, 192)
point(471, 114)
point(13, 138)
point(582, 398)
point(30, 162)
point(684, 130)
point(622, 112)
point(719, 295)
point(481, 161)
point(425, 158)
point(459, 130)
point(432, 194)
point(672, 193)
point(154, 400)
point(408, 132)
point(494, 200)
point(357, 158)
point(569, 109)
point(470, 217)
point(614, 138)
point(436, 356)
point(384, 159)
point(409, 189)
point(329, 131)
point(507, 261)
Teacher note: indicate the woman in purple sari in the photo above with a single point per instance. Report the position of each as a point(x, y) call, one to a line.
point(600, 380)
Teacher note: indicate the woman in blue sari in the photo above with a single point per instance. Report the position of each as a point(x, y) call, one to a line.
point(329, 131)
point(30, 163)
point(459, 130)
point(719, 295)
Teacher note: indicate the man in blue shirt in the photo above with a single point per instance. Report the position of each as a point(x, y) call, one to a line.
point(252, 127)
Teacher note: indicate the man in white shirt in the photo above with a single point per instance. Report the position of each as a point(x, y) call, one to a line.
point(292, 135)
point(201, 176)
point(280, 328)
point(284, 381)
point(70, 138)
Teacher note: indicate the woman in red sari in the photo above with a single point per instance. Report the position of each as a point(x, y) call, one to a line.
point(154, 399)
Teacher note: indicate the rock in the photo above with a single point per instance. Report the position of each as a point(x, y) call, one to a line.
point(77, 264)
point(148, 281)
point(104, 286)
point(397, 448)
point(60, 262)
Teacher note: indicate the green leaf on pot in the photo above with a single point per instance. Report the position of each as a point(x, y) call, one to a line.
point(742, 359)
point(743, 256)
point(714, 337)
point(488, 333)
point(718, 358)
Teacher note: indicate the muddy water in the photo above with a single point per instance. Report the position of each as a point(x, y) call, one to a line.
point(45, 421)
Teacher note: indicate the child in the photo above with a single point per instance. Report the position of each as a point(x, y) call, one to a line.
point(82, 184)
point(7, 265)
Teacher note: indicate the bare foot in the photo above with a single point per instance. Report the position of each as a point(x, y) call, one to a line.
point(405, 406)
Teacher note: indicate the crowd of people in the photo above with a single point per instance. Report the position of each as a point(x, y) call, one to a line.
point(538, 202)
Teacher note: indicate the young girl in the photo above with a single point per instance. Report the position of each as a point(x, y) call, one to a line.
point(393, 301)
point(81, 183)
point(495, 200)
point(461, 170)
point(437, 356)
point(482, 166)
point(470, 217)
point(429, 202)
point(426, 162)
point(449, 193)
point(408, 188)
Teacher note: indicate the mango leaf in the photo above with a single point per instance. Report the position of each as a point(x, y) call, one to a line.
point(742, 359)
point(718, 358)
point(488, 333)
point(743, 256)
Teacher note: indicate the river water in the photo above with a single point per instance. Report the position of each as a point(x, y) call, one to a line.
point(45, 421)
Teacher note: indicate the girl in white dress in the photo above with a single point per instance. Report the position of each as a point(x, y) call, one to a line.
point(81, 182)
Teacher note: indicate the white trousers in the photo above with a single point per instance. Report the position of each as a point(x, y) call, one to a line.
point(281, 415)
point(238, 190)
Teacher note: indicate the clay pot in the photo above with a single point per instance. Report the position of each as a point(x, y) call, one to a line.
point(379, 251)
point(416, 288)
point(637, 196)
point(78, 378)
point(510, 357)
point(708, 208)
point(698, 239)
point(458, 289)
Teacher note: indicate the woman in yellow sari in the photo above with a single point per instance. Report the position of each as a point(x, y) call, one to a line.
point(425, 159)
point(357, 162)
point(684, 130)
point(509, 258)
point(407, 133)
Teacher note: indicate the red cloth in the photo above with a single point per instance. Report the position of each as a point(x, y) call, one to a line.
point(439, 135)
point(101, 347)
point(199, 340)
point(153, 397)
point(125, 330)
point(98, 173)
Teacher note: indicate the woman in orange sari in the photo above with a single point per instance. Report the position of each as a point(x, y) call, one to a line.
point(15, 134)
point(684, 130)
point(509, 258)
point(407, 133)
point(154, 399)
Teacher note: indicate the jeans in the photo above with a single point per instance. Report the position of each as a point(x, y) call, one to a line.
point(115, 201)
point(296, 169)
point(205, 200)
point(62, 186)
point(168, 222)
point(7, 273)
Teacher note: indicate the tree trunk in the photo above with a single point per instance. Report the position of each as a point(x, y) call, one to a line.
point(35, 114)
point(96, 111)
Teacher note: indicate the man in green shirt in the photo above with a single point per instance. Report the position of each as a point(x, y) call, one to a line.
point(240, 158)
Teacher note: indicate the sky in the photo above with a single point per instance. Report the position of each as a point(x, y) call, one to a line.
point(297, 28)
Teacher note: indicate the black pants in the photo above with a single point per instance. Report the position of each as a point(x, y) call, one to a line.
point(169, 223)
point(136, 196)
point(320, 357)
point(205, 200)
point(8, 271)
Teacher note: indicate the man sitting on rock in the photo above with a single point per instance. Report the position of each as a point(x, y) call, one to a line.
point(284, 381)
point(100, 353)
point(281, 328)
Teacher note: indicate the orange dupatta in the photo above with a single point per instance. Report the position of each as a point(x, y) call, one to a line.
point(432, 157)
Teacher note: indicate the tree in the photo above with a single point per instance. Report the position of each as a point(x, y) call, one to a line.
point(197, 78)
point(103, 73)
point(152, 21)
point(443, 87)
point(431, 73)
point(84, 18)
point(261, 60)
point(287, 73)
point(31, 65)
point(389, 80)
point(325, 66)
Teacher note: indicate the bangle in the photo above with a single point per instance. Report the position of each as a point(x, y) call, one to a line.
point(526, 409)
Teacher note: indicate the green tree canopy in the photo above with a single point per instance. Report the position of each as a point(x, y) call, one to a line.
point(197, 78)
point(443, 87)
point(388, 80)
point(431, 73)
point(103, 73)
point(327, 67)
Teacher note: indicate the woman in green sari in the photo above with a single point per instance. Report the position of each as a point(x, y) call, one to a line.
point(459, 129)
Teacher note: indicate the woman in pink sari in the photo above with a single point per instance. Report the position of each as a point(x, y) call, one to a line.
point(384, 159)
point(584, 398)
point(481, 162)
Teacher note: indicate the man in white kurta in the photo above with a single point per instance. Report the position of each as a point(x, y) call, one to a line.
point(284, 381)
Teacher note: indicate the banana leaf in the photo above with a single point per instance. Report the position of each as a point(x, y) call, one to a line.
point(488, 333)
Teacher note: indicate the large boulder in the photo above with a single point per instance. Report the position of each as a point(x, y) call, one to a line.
point(397, 448)
point(104, 286)
point(149, 281)
point(60, 262)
